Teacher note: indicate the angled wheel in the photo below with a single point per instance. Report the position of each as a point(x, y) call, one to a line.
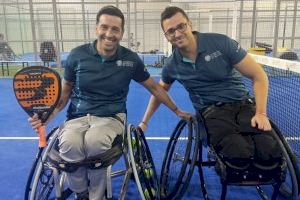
point(142, 164)
point(291, 187)
point(179, 160)
point(41, 181)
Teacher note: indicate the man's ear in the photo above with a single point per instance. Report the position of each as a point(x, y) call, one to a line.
point(190, 24)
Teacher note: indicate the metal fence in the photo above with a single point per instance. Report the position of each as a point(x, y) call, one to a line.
point(26, 24)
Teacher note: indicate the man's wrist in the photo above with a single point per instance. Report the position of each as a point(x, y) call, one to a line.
point(261, 113)
point(143, 122)
point(175, 109)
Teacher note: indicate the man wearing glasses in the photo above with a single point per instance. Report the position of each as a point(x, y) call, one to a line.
point(209, 66)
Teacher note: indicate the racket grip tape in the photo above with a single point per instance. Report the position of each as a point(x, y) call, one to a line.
point(42, 136)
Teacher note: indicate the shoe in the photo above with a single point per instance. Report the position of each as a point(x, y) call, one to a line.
point(82, 195)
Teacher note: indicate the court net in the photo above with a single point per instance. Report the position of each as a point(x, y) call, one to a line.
point(284, 96)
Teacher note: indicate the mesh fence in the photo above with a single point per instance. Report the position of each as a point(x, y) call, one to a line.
point(283, 100)
point(25, 25)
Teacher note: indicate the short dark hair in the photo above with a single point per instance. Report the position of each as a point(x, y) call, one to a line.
point(110, 10)
point(169, 12)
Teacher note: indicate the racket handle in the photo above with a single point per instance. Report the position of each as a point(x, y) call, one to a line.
point(42, 136)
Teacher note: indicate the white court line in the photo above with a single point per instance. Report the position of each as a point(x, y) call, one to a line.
point(293, 138)
point(35, 138)
point(18, 138)
point(148, 138)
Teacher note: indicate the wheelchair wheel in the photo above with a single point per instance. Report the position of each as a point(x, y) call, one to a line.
point(179, 160)
point(40, 183)
point(291, 187)
point(142, 164)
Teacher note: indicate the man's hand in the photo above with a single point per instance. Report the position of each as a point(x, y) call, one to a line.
point(183, 115)
point(35, 122)
point(261, 121)
point(143, 126)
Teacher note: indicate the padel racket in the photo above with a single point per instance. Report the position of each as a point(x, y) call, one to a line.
point(37, 90)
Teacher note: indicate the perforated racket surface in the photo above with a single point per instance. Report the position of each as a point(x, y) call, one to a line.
point(37, 90)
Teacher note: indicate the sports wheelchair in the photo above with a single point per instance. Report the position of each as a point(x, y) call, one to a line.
point(187, 148)
point(47, 52)
point(48, 173)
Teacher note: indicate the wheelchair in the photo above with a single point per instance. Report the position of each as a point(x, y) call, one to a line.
point(47, 178)
point(187, 148)
point(47, 52)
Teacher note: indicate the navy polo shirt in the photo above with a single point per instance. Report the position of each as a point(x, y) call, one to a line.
point(212, 78)
point(101, 86)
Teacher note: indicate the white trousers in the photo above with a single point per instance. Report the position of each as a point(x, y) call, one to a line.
point(82, 138)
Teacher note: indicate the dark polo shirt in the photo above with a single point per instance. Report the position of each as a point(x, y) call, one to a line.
point(212, 78)
point(101, 86)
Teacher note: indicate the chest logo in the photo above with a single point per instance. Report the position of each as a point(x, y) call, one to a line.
point(207, 58)
point(124, 63)
point(119, 63)
point(212, 56)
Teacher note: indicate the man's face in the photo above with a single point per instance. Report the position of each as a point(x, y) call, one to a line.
point(178, 30)
point(109, 33)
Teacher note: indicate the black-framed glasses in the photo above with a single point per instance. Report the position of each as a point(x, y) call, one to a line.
point(172, 31)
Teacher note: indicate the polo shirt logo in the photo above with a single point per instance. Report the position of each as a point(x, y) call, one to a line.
point(124, 63)
point(212, 56)
point(119, 63)
point(207, 58)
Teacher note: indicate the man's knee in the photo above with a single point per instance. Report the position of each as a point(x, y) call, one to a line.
point(236, 146)
point(71, 149)
point(267, 149)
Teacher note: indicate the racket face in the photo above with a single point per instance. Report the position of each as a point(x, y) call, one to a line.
point(37, 90)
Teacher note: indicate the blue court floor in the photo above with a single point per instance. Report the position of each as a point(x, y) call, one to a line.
point(18, 144)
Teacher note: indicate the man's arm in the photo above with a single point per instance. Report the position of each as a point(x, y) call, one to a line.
point(159, 94)
point(249, 68)
point(65, 95)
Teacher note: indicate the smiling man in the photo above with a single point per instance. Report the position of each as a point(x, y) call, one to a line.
point(209, 66)
point(96, 80)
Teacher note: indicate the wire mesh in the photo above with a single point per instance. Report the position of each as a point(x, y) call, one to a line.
point(283, 99)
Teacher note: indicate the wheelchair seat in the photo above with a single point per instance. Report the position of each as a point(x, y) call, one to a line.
point(47, 52)
point(252, 174)
point(102, 160)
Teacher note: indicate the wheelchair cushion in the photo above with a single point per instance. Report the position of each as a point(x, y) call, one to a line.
point(102, 160)
point(107, 158)
point(252, 173)
point(56, 160)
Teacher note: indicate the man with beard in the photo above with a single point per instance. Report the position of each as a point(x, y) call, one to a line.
point(96, 80)
point(209, 66)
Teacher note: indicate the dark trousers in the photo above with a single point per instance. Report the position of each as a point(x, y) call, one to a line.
point(232, 136)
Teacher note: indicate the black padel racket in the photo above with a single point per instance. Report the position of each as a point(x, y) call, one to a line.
point(37, 90)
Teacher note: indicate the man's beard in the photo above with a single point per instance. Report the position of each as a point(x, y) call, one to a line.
point(181, 39)
point(106, 47)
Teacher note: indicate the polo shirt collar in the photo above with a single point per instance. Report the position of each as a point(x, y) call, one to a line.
point(201, 43)
point(93, 47)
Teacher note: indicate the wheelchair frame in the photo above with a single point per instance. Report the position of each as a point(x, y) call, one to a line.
point(44, 178)
point(193, 156)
